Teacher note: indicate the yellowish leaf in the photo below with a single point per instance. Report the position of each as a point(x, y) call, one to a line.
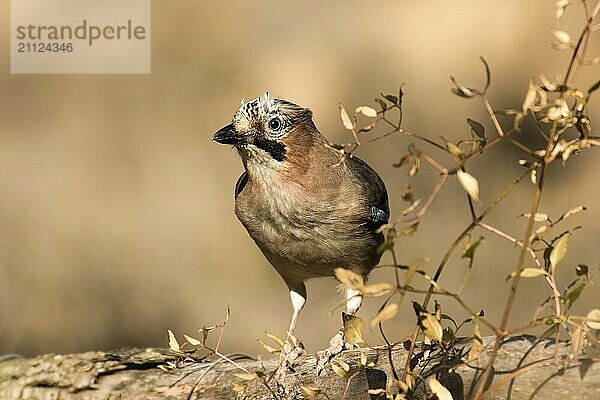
point(454, 150)
point(437, 389)
point(551, 86)
point(348, 124)
point(275, 338)
point(363, 358)
point(366, 111)
point(343, 364)
point(537, 217)
point(339, 371)
point(388, 312)
point(561, 36)
point(192, 341)
point(409, 381)
point(246, 376)
point(414, 168)
point(559, 250)
point(577, 341)
point(353, 329)
point(532, 272)
point(173, 343)
point(431, 327)
point(476, 344)
point(542, 229)
point(469, 184)
point(238, 387)
point(553, 113)
point(269, 348)
point(376, 289)
point(530, 97)
point(594, 319)
point(349, 278)
point(311, 391)
point(572, 211)
point(533, 176)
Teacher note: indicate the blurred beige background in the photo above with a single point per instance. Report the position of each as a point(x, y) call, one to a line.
point(116, 209)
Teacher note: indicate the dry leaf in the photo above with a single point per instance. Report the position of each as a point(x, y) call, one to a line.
point(352, 280)
point(311, 391)
point(348, 124)
point(559, 250)
point(192, 341)
point(415, 167)
point(577, 341)
point(388, 312)
point(594, 315)
point(269, 348)
point(572, 211)
point(432, 327)
point(533, 176)
point(339, 371)
point(529, 100)
point(366, 111)
point(532, 272)
point(469, 184)
point(173, 343)
point(454, 150)
point(275, 338)
point(537, 217)
point(437, 389)
point(363, 358)
point(377, 289)
point(238, 388)
point(561, 36)
point(246, 376)
point(551, 86)
point(476, 344)
point(353, 329)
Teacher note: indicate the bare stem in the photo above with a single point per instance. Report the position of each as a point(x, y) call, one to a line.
point(511, 239)
point(451, 250)
point(492, 115)
point(501, 333)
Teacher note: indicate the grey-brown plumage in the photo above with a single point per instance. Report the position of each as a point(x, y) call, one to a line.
point(308, 209)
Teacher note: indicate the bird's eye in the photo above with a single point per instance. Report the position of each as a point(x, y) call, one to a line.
point(275, 124)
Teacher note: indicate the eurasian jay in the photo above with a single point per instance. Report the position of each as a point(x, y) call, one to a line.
point(309, 209)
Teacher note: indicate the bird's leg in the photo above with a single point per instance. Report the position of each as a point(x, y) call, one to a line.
point(337, 344)
point(292, 348)
point(353, 301)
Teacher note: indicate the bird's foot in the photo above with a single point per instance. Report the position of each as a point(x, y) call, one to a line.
point(337, 344)
point(292, 349)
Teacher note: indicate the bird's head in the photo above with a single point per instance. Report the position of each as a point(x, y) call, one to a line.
point(269, 131)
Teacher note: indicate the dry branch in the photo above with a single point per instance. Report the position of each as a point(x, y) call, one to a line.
point(133, 374)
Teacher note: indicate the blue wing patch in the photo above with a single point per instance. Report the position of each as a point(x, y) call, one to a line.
point(377, 216)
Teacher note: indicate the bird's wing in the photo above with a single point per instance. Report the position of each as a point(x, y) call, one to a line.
point(374, 190)
point(241, 182)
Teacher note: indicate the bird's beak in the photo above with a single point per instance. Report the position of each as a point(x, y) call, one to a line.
point(226, 135)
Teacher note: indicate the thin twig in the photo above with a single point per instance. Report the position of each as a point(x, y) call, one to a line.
point(511, 239)
point(451, 250)
point(493, 117)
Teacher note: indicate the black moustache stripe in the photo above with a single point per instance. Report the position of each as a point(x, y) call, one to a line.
point(274, 148)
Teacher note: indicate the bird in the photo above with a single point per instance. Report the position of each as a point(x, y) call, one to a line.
point(308, 208)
